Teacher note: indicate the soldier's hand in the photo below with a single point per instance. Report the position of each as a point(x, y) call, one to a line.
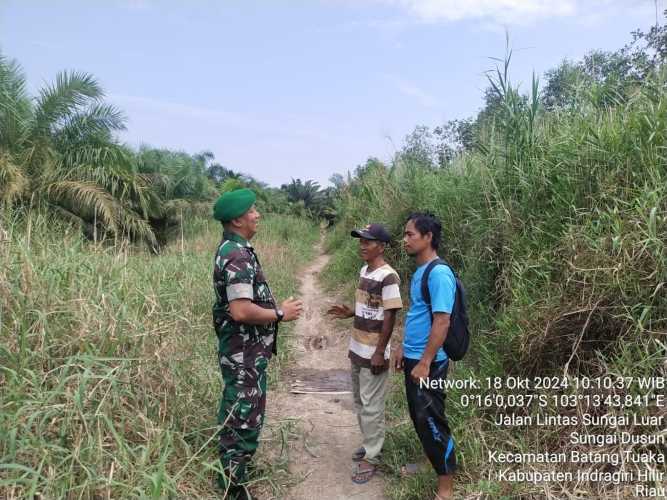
point(292, 309)
point(340, 311)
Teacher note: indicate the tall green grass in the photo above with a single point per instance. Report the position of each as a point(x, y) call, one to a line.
point(557, 224)
point(109, 383)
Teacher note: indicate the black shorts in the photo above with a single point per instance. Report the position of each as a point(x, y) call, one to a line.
point(427, 411)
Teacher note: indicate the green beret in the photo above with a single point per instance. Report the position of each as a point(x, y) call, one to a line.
point(233, 204)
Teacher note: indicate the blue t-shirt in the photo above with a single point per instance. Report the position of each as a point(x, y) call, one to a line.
point(442, 286)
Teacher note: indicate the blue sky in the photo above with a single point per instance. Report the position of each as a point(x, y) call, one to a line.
point(287, 89)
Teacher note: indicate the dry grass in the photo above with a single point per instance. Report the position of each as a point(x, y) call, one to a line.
point(109, 383)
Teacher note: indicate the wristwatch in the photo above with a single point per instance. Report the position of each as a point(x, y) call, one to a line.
point(280, 314)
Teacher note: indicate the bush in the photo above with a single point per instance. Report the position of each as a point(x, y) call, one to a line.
point(557, 224)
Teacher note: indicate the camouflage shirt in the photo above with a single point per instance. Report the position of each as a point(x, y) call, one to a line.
point(237, 274)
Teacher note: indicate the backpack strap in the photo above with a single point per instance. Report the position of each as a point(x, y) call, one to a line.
point(426, 294)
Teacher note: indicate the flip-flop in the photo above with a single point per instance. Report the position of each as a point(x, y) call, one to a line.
point(363, 476)
point(410, 469)
point(359, 454)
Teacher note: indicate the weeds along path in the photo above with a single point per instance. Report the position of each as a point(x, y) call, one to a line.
point(316, 392)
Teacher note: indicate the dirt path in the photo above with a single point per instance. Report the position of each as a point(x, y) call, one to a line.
point(328, 424)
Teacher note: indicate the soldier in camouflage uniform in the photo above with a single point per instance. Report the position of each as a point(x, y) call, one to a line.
point(245, 317)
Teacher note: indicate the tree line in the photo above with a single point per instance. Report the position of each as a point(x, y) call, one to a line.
point(600, 78)
point(60, 153)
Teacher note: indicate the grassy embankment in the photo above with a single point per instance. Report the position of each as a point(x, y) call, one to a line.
point(109, 383)
point(557, 224)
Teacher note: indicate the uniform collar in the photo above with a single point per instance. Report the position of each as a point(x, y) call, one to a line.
point(231, 235)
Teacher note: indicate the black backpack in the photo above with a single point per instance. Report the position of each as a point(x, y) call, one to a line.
point(458, 337)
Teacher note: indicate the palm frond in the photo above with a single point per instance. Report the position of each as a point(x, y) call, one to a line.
point(97, 121)
point(81, 195)
point(135, 226)
point(13, 182)
point(14, 104)
point(94, 155)
point(157, 180)
point(70, 92)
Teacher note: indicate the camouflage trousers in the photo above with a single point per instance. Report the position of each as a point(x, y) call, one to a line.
point(243, 403)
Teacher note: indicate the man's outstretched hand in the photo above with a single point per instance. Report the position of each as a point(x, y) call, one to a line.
point(340, 311)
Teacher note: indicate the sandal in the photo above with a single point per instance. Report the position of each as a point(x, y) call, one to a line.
point(361, 475)
point(359, 454)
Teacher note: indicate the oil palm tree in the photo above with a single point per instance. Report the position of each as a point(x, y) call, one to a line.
point(58, 151)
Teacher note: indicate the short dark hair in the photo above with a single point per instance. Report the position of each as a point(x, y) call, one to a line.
point(426, 222)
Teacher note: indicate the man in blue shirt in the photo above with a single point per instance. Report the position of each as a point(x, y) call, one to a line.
point(421, 357)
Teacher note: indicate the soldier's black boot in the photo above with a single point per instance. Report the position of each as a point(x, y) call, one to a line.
point(240, 493)
point(233, 491)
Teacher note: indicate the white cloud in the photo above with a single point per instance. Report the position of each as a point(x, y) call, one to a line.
point(505, 11)
point(136, 4)
point(512, 12)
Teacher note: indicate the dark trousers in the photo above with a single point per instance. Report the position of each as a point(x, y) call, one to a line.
point(427, 411)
